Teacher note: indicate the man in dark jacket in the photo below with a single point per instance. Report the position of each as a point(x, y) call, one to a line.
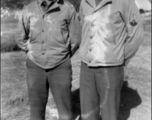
point(49, 35)
point(111, 34)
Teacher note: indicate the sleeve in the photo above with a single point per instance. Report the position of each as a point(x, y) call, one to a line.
point(134, 26)
point(74, 31)
point(23, 31)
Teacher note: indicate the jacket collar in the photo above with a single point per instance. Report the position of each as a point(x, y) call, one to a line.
point(57, 4)
point(58, 1)
point(92, 3)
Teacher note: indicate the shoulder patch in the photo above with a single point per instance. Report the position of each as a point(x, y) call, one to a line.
point(133, 20)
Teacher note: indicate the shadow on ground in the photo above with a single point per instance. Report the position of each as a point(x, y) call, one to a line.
point(129, 99)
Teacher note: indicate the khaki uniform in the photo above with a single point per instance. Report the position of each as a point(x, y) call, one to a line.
point(111, 34)
point(49, 33)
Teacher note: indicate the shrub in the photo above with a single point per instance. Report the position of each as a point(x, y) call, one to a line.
point(8, 43)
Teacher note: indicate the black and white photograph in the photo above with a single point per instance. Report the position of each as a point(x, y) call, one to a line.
point(76, 59)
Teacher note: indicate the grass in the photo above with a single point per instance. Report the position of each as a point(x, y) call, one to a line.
point(8, 43)
point(136, 92)
point(8, 31)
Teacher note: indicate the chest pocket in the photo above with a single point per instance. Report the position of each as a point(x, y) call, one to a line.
point(57, 28)
point(35, 27)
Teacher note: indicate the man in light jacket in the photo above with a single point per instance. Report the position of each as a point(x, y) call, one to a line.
point(49, 35)
point(111, 34)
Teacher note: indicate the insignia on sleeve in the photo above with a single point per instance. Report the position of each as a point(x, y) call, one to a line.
point(133, 21)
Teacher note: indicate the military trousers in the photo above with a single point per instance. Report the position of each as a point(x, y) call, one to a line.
point(100, 89)
point(58, 80)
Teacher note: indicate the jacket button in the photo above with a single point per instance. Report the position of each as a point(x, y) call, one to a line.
point(43, 53)
point(90, 48)
point(42, 30)
point(91, 36)
point(42, 42)
point(92, 24)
